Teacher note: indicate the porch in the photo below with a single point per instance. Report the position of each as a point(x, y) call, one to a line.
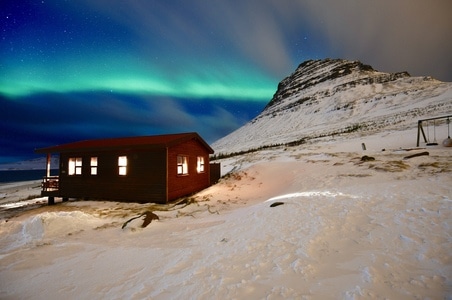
point(50, 186)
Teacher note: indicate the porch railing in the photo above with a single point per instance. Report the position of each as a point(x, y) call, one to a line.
point(50, 183)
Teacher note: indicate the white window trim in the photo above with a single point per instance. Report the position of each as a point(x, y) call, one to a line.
point(182, 165)
point(200, 164)
point(122, 165)
point(75, 166)
point(94, 164)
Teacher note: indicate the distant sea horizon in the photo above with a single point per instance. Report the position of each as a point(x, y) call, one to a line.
point(24, 175)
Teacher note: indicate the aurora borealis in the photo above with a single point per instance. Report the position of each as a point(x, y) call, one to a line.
point(72, 70)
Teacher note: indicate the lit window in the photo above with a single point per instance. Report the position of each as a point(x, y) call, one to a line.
point(200, 164)
point(122, 164)
point(75, 166)
point(93, 165)
point(182, 165)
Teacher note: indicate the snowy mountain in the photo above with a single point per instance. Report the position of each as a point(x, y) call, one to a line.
point(333, 96)
point(312, 222)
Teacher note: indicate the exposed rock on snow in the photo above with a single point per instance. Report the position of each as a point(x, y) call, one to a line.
point(311, 74)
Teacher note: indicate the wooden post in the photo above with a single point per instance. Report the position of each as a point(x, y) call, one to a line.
point(51, 200)
point(420, 130)
point(49, 158)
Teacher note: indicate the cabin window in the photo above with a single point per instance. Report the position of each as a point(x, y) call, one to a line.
point(93, 164)
point(75, 166)
point(182, 165)
point(122, 165)
point(200, 164)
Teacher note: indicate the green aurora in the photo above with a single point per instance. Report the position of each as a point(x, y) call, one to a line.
point(212, 80)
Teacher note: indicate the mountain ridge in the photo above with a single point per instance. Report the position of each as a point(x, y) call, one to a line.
point(336, 96)
point(338, 68)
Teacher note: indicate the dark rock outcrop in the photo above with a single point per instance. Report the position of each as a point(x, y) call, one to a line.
point(311, 73)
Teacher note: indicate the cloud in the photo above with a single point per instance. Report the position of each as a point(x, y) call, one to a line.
point(229, 122)
point(197, 50)
point(403, 35)
point(410, 35)
point(49, 119)
point(248, 30)
point(254, 30)
point(167, 113)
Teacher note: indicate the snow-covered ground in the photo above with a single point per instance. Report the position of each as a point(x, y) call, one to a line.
point(347, 229)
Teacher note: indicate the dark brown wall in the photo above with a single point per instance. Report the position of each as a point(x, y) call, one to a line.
point(215, 172)
point(147, 174)
point(182, 185)
point(145, 180)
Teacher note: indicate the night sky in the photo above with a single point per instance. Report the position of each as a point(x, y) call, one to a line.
point(75, 70)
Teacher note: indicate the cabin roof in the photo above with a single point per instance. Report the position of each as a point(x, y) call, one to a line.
point(155, 141)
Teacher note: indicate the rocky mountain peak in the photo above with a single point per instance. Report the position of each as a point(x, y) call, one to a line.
point(324, 98)
point(312, 73)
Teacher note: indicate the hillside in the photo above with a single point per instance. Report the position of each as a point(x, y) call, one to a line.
point(333, 96)
point(324, 220)
point(346, 229)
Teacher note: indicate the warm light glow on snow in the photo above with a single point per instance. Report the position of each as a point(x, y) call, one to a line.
point(311, 194)
point(343, 225)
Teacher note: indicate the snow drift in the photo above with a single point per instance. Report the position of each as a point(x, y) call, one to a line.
point(346, 227)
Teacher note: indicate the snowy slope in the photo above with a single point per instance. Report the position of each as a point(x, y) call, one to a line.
point(346, 228)
point(327, 97)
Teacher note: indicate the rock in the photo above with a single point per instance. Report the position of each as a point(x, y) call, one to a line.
point(367, 158)
point(149, 216)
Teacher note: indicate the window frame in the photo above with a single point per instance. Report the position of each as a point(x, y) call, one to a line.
point(94, 163)
point(182, 165)
point(200, 164)
point(122, 165)
point(75, 166)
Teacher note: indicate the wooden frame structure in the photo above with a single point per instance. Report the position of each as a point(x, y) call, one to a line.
point(420, 128)
point(156, 169)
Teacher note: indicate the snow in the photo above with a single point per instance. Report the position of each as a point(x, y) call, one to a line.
point(340, 104)
point(347, 229)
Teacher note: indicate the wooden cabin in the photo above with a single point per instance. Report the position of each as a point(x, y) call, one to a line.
point(142, 169)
